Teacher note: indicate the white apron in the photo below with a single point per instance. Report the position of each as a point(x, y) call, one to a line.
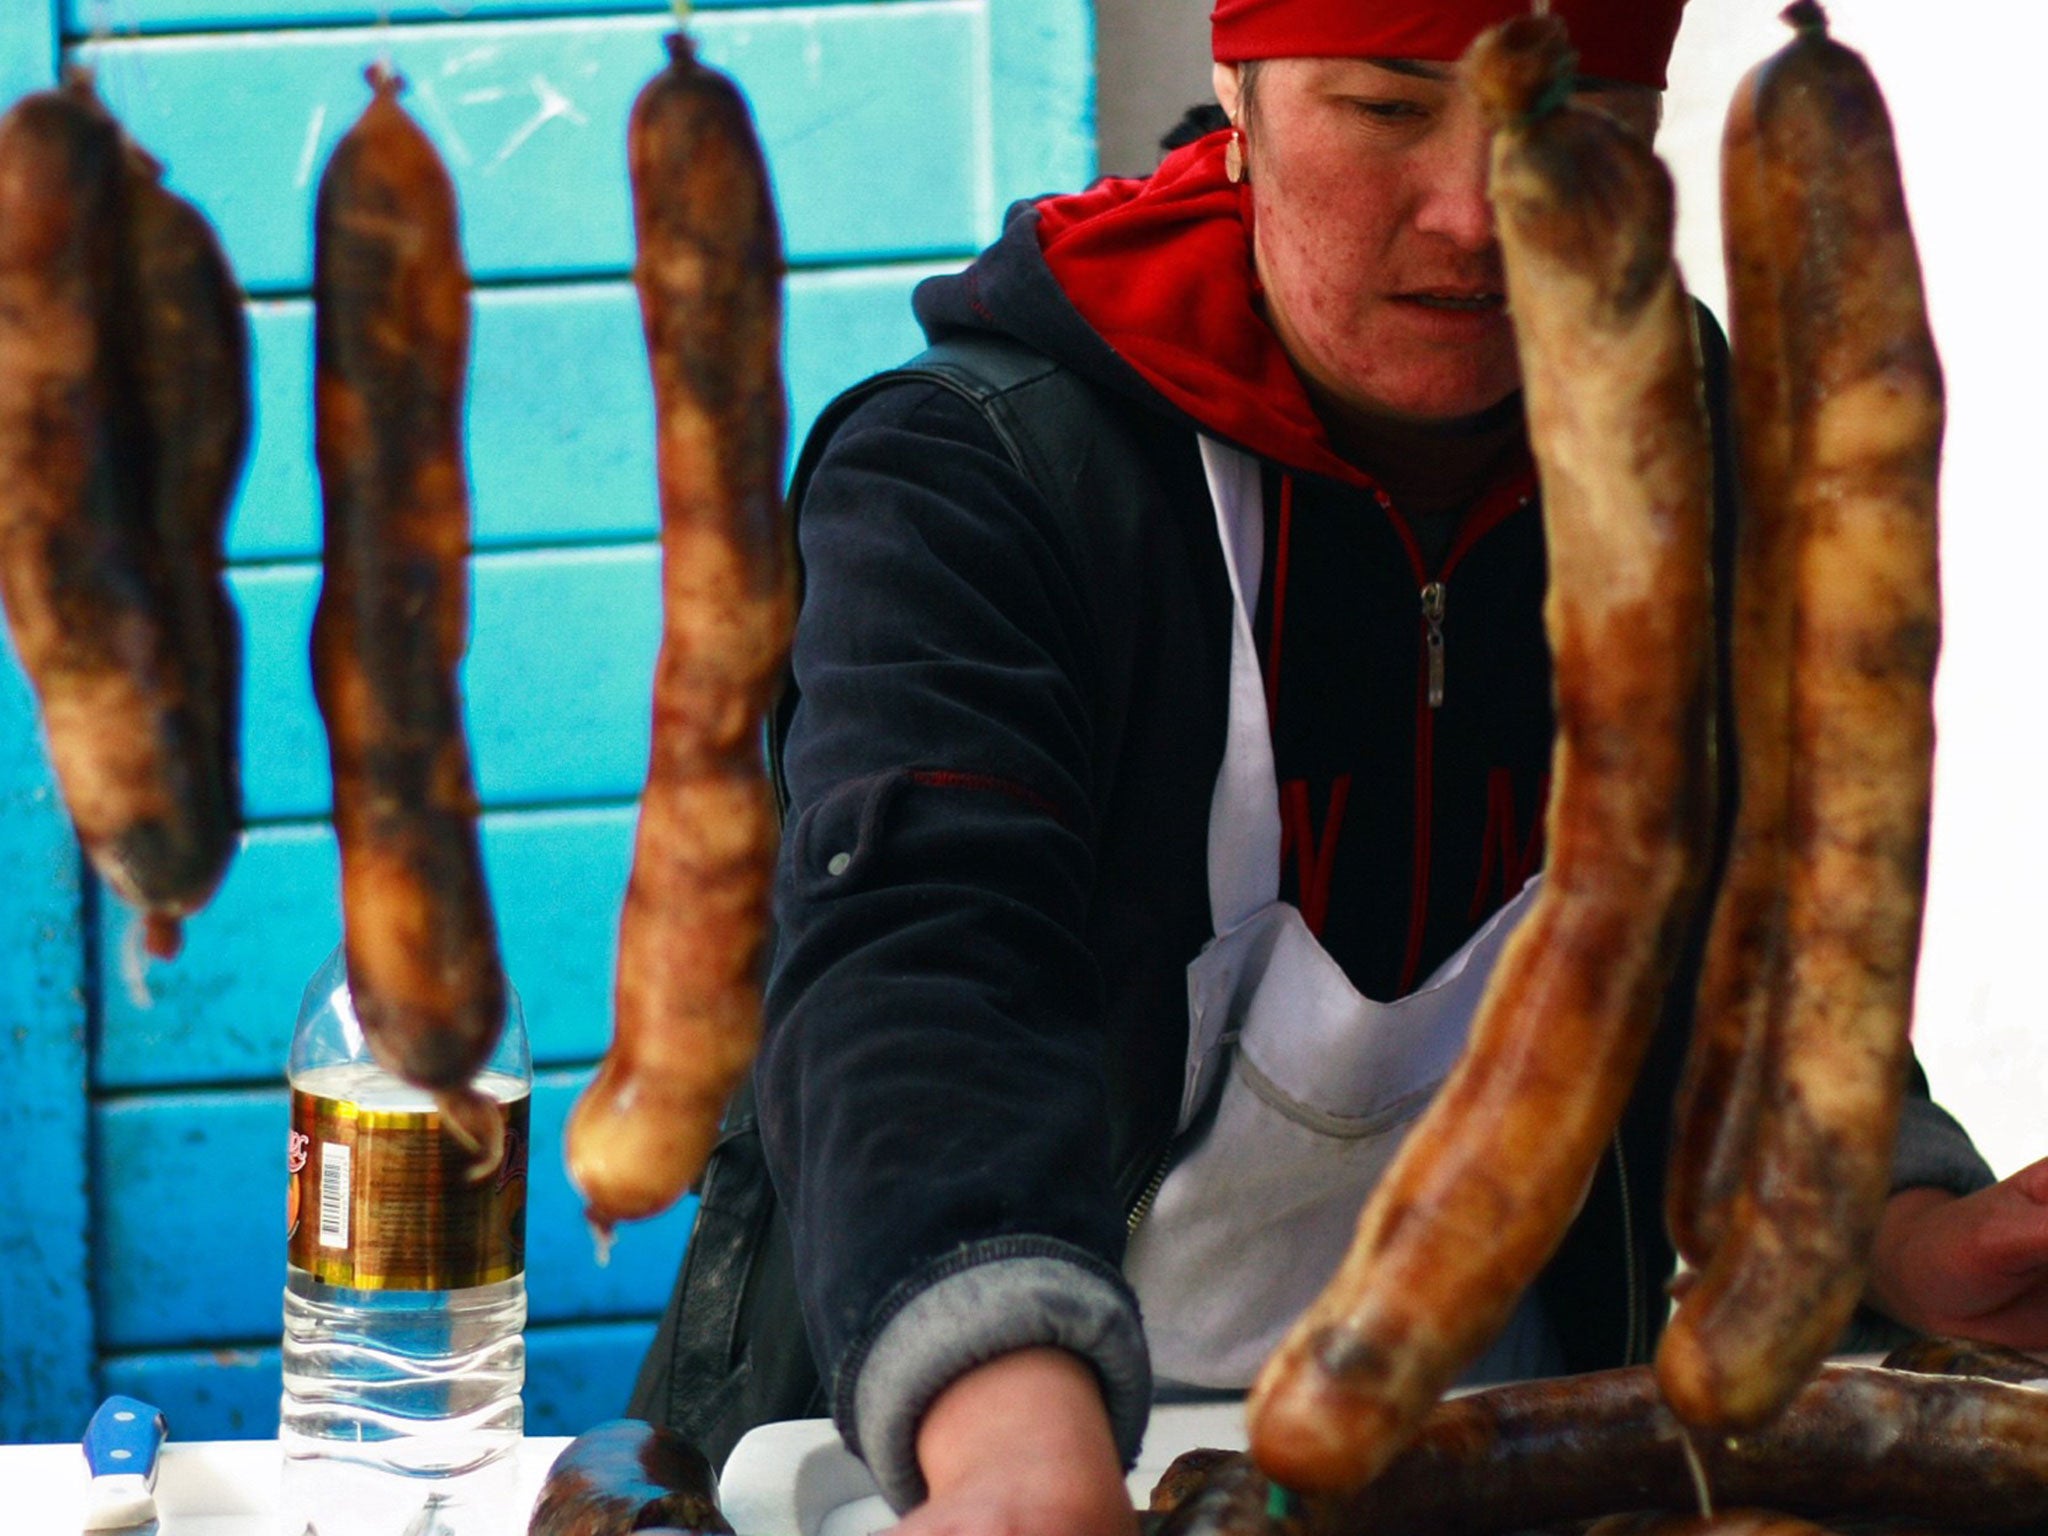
point(1319, 1084)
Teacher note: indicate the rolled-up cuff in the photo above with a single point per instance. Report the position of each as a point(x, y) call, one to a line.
point(1934, 1151)
point(981, 1301)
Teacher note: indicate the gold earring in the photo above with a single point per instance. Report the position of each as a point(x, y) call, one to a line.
point(1233, 157)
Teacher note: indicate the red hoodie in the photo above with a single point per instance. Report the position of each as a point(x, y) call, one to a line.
point(1193, 326)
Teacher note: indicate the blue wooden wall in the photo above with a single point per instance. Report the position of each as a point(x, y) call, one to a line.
point(142, 1129)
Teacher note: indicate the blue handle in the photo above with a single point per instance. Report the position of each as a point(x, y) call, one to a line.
point(124, 1436)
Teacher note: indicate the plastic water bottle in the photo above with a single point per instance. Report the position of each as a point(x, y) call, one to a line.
point(405, 1292)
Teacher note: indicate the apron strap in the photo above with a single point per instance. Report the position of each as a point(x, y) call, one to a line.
point(1244, 811)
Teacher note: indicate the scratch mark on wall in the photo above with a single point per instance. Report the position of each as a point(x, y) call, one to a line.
point(457, 145)
point(470, 58)
point(310, 150)
point(552, 104)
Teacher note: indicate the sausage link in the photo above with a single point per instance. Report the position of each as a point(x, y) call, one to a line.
point(79, 570)
point(1187, 1475)
point(1855, 1441)
point(709, 274)
point(628, 1476)
point(188, 344)
point(1727, 1522)
point(391, 339)
point(1488, 1181)
point(1219, 1495)
point(1966, 1357)
point(1742, 975)
point(1866, 405)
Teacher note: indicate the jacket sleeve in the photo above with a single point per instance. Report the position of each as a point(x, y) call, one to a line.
point(1933, 1150)
point(932, 1093)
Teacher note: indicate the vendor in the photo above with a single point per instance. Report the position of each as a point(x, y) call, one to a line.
point(1171, 665)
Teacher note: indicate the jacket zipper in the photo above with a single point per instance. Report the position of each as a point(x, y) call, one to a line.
point(1511, 497)
point(1142, 1206)
point(1433, 639)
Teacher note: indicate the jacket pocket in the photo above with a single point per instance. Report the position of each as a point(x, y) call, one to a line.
point(836, 842)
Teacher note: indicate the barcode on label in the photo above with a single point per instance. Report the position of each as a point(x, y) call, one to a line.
point(334, 1160)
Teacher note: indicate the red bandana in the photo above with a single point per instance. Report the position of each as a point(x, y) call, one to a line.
point(1616, 39)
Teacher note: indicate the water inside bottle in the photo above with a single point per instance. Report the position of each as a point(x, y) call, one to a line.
point(401, 1407)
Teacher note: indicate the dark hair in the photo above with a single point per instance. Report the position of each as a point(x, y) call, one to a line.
point(1247, 85)
point(1198, 122)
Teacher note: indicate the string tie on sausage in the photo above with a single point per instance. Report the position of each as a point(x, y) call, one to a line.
point(1556, 91)
point(1805, 17)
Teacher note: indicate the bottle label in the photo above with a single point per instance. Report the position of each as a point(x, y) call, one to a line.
point(382, 1200)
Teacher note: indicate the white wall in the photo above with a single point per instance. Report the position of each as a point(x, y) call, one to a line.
point(1151, 64)
point(1967, 114)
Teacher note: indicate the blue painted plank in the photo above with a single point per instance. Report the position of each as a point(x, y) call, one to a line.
point(46, 1389)
point(284, 746)
point(531, 116)
point(220, 1393)
point(124, 18)
point(577, 1376)
point(559, 680)
point(277, 510)
point(188, 1197)
point(188, 1208)
point(845, 325)
point(222, 1012)
point(561, 418)
point(564, 1279)
point(559, 879)
point(83, 18)
point(28, 47)
point(1041, 73)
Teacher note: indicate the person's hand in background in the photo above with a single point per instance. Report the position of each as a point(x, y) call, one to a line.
point(1968, 1266)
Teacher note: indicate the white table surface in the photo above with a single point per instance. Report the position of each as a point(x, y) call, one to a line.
point(792, 1479)
point(203, 1488)
point(796, 1479)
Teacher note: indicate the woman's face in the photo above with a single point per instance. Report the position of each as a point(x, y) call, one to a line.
point(1373, 238)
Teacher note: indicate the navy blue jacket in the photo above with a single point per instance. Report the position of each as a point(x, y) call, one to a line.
point(998, 750)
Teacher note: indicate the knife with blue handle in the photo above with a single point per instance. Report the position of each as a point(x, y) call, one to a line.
point(121, 1445)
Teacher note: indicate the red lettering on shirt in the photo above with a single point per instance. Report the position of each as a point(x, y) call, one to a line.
point(1506, 857)
point(1315, 857)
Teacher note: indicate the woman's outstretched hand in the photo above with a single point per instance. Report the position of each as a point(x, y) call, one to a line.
point(1021, 1446)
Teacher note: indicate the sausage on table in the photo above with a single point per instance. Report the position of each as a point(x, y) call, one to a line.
point(628, 1476)
point(1189, 1473)
point(1214, 1493)
point(82, 575)
point(391, 340)
point(1951, 1453)
point(1966, 1357)
point(1864, 394)
point(1488, 1181)
point(709, 274)
point(1727, 1522)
